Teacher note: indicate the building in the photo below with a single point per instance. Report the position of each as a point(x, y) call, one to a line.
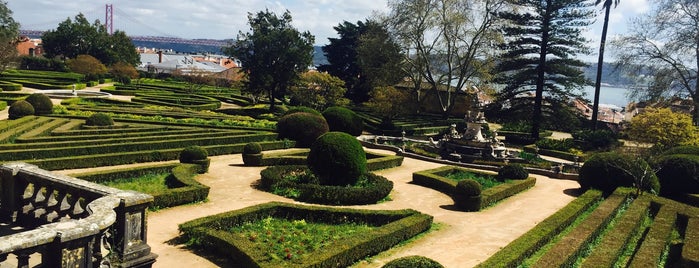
point(29, 47)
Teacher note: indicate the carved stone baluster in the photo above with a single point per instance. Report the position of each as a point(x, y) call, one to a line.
point(23, 259)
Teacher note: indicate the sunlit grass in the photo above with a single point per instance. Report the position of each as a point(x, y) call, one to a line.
point(150, 183)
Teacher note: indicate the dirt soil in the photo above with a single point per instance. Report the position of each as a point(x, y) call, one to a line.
point(462, 239)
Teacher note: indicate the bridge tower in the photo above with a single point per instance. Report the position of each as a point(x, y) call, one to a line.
point(108, 23)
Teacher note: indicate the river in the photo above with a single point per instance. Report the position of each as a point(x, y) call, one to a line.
point(608, 95)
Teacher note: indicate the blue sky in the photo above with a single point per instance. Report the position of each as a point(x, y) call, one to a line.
point(222, 19)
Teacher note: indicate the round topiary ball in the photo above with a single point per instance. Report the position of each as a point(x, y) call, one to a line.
point(192, 153)
point(42, 104)
point(686, 149)
point(252, 148)
point(468, 188)
point(100, 120)
point(344, 120)
point(304, 128)
point(337, 158)
point(301, 109)
point(512, 172)
point(607, 171)
point(20, 109)
point(413, 262)
point(678, 174)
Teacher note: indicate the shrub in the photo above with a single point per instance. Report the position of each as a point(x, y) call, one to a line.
point(304, 128)
point(99, 119)
point(252, 148)
point(191, 153)
point(467, 195)
point(557, 145)
point(687, 149)
point(343, 120)
point(468, 187)
point(413, 262)
point(337, 158)
point(678, 174)
point(607, 171)
point(20, 109)
point(302, 109)
point(595, 139)
point(512, 172)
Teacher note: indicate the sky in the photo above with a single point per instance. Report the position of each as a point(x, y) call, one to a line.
point(223, 19)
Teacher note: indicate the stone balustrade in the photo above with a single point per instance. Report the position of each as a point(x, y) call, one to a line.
point(58, 221)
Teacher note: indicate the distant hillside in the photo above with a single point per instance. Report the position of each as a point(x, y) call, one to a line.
point(610, 75)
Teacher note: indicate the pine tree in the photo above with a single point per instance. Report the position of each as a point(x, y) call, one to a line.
point(542, 39)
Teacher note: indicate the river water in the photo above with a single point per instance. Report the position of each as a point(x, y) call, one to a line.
point(608, 95)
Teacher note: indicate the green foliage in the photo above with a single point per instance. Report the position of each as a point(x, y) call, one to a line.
point(412, 262)
point(337, 158)
point(607, 171)
point(678, 174)
point(389, 102)
point(304, 128)
point(42, 104)
point(687, 149)
point(663, 128)
point(512, 172)
point(252, 148)
point(596, 139)
point(273, 54)
point(343, 120)
point(100, 120)
point(87, 65)
point(192, 153)
point(563, 145)
point(303, 109)
point(319, 90)
point(42, 63)
point(20, 109)
point(468, 187)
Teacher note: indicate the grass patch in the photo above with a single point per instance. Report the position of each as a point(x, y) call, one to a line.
point(150, 183)
point(284, 240)
point(486, 181)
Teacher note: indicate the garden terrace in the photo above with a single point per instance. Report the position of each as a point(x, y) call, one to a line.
point(436, 179)
point(60, 143)
point(12, 97)
point(422, 125)
point(621, 230)
point(181, 186)
point(44, 79)
point(213, 233)
point(70, 222)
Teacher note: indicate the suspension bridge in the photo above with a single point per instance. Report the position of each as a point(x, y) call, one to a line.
point(163, 38)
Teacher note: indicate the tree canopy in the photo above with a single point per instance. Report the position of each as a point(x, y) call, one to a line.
point(319, 90)
point(273, 54)
point(538, 65)
point(662, 51)
point(9, 36)
point(78, 37)
point(664, 128)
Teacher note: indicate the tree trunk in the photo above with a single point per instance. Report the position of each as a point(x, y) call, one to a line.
point(541, 73)
point(600, 63)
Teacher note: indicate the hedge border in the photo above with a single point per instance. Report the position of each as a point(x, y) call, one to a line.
point(531, 148)
point(327, 195)
point(690, 251)
point(658, 237)
point(297, 156)
point(434, 179)
point(392, 228)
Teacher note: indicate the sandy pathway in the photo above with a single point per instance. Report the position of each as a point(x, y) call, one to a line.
point(463, 240)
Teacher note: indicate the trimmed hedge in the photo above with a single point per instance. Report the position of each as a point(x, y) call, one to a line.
point(413, 262)
point(678, 174)
point(434, 178)
point(512, 172)
point(523, 247)
point(607, 171)
point(304, 128)
point(377, 189)
point(184, 189)
point(337, 158)
point(99, 119)
point(531, 148)
point(687, 149)
point(392, 227)
point(343, 120)
point(20, 109)
point(375, 161)
point(42, 104)
point(656, 240)
point(690, 251)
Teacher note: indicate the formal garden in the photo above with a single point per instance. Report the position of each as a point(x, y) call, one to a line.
point(331, 200)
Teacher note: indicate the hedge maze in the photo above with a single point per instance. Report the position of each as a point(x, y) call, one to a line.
point(615, 231)
point(65, 143)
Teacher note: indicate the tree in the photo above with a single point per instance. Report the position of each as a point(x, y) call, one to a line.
point(319, 90)
point(446, 43)
point(663, 50)
point(123, 72)
point(9, 33)
point(273, 54)
point(663, 128)
point(79, 37)
point(343, 62)
point(543, 38)
point(389, 103)
point(87, 65)
point(607, 4)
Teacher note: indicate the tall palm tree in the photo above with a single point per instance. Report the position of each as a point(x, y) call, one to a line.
point(607, 4)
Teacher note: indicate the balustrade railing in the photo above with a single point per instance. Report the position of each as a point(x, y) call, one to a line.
point(58, 221)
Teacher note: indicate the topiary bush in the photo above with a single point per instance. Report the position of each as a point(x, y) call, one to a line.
point(302, 127)
point(512, 172)
point(20, 109)
point(99, 120)
point(301, 109)
point(42, 104)
point(252, 154)
point(413, 262)
point(196, 155)
point(343, 120)
point(686, 149)
point(337, 158)
point(607, 171)
point(467, 195)
point(678, 174)
point(596, 139)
